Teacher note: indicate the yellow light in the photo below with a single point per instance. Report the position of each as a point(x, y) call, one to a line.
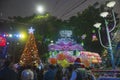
point(22, 35)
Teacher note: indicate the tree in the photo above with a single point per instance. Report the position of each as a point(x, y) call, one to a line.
point(30, 54)
point(82, 24)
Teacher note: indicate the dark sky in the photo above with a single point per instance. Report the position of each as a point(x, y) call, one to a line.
point(60, 8)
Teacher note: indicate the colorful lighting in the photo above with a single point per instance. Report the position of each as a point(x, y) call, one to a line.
point(2, 41)
point(94, 38)
point(10, 35)
point(82, 43)
point(31, 30)
point(21, 35)
point(17, 35)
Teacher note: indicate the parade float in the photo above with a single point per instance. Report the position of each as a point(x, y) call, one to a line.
point(65, 50)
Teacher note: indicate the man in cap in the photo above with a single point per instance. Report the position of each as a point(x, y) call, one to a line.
point(79, 72)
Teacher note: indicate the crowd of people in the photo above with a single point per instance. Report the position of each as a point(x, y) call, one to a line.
point(76, 71)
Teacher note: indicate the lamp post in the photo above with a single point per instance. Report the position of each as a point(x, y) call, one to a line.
point(97, 25)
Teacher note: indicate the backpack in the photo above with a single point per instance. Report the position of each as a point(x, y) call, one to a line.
point(81, 74)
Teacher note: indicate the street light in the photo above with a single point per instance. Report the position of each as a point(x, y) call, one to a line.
point(104, 14)
point(111, 4)
point(97, 25)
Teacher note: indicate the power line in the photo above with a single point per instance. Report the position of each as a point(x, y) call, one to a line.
point(56, 3)
point(71, 9)
point(61, 6)
point(58, 6)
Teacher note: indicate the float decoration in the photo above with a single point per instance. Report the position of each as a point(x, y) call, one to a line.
point(66, 50)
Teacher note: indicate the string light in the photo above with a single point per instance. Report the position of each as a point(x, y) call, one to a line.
point(9, 35)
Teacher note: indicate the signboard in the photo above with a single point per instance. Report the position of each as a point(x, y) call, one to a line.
point(66, 33)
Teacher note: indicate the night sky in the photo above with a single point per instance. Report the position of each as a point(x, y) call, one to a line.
point(60, 8)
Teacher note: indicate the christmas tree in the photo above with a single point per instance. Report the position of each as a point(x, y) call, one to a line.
point(30, 54)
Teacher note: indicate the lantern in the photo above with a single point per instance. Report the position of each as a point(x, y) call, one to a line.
point(64, 63)
point(94, 61)
point(99, 61)
point(70, 59)
point(52, 60)
point(86, 63)
point(61, 56)
point(94, 38)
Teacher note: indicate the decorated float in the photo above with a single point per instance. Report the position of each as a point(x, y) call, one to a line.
point(65, 50)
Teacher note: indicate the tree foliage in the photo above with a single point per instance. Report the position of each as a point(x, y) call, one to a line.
point(83, 24)
point(47, 27)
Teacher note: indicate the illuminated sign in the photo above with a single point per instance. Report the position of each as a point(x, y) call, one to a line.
point(66, 33)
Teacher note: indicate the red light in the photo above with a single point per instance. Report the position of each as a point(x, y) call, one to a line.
point(2, 41)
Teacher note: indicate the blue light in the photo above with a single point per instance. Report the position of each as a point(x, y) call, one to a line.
point(4, 35)
point(17, 35)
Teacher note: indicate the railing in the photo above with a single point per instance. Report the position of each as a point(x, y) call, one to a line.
point(106, 71)
point(106, 74)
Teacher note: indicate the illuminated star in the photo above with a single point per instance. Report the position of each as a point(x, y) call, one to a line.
point(31, 30)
